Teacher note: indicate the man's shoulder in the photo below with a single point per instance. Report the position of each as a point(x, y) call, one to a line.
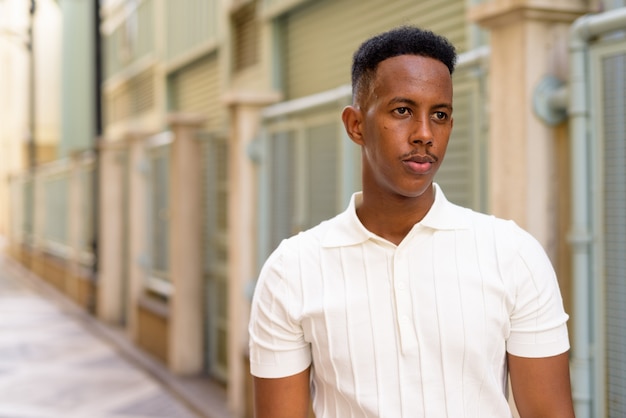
point(505, 231)
point(314, 236)
point(480, 220)
point(504, 235)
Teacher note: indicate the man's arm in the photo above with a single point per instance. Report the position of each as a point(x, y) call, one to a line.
point(285, 397)
point(541, 386)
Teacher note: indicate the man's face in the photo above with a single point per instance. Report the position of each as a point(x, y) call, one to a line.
point(405, 126)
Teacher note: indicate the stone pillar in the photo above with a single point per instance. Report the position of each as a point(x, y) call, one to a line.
point(528, 41)
point(111, 233)
point(242, 213)
point(186, 331)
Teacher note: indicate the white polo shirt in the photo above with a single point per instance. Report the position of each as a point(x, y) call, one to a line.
point(420, 329)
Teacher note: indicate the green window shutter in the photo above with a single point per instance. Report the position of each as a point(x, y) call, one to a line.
point(459, 173)
point(614, 218)
point(282, 179)
point(322, 152)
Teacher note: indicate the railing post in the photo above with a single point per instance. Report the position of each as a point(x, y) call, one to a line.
point(37, 240)
point(74, 221)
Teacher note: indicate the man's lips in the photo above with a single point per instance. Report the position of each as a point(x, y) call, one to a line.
point(419, 164)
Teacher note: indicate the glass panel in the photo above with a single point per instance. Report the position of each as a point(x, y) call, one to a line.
point(160, 208)
point(29, 209)
point(56, 210)
point(132, 39)
point(222, 347)
point(86, 196)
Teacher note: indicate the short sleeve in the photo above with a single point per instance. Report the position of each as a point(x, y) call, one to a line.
point(538, 320)
point(277, 344)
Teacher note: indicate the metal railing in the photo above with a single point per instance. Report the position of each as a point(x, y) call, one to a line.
point(57, 218)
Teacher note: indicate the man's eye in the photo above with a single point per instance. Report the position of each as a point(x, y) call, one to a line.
point(403, 111)
point(441, 115)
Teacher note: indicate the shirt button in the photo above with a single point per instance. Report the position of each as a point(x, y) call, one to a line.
point(401, 285)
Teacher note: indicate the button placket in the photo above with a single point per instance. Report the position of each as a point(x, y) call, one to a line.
point(404, 306)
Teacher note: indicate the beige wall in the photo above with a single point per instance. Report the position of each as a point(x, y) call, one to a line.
point(12, 100)
point(14, 85)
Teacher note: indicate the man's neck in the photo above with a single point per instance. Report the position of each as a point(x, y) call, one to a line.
point(393, 217)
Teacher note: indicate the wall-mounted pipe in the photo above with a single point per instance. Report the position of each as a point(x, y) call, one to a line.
point(582, 32)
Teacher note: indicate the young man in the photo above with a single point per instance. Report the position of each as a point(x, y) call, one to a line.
point(406, 305)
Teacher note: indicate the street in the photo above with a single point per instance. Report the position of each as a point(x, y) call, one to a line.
point(52, 365)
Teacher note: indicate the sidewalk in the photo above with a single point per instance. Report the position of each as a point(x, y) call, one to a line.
point(56, 361)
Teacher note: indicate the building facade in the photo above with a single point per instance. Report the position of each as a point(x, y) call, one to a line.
point(29, 111)
point(222, 136)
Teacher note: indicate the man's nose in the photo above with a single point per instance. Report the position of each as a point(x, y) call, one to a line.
point(422, 134)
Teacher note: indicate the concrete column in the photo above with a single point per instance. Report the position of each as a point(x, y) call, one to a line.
point(528, 41)
point(242, 212)
point(186, 354)
point(111, 233)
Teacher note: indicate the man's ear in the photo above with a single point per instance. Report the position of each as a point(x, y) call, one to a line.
point(352, 121)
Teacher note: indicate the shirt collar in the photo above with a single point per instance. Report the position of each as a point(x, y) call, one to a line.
point(346, 229)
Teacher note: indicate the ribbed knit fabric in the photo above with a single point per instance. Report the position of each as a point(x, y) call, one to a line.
point(415, 330)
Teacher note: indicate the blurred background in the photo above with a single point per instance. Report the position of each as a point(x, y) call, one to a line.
point(154, 152)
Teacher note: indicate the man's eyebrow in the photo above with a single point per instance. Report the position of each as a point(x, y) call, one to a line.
point(411, 102)
point(404, 100)
point(443, 105)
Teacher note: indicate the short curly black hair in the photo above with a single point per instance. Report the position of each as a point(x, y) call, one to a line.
point(403, 40)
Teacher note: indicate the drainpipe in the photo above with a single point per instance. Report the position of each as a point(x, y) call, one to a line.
point(95, 197)
point(553, 102)
point(580, 236)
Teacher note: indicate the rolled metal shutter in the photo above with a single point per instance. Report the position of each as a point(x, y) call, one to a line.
point(196, 89)
point(321, 36)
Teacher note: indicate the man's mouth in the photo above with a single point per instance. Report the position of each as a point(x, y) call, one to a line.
point(419, 164)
